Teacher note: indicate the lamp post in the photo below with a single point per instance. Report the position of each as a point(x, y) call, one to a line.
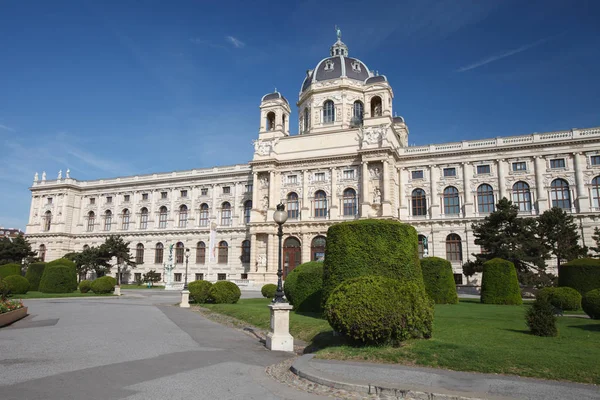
point(187, 258)
point(280, 216)
point(185, 293)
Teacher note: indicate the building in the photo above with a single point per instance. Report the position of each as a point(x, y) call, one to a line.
point(350, 160)
point(10, 233)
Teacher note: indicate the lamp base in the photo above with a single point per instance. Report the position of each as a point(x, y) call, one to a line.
point(185, 299)
point(279, 338)
point(117, 290)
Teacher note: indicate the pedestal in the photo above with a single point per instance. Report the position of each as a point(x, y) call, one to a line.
point(117, 290)
point(185, 299)
point(279, 339)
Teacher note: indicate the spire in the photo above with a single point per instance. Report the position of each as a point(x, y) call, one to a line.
point(338, 48)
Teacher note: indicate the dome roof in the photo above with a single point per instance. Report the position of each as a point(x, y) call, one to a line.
point(375, 79)
point(274, 96)
point(336, 67)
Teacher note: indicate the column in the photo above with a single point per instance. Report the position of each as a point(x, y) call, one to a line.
point(214, 212)
point(272, 200)
point(272, 259)
point(253, 253)
point(402, 207)
point(468, 201)
point(365, 204)
point(433, 181)
point(386, 198)
point(305, 211)
point(583, 200)
point(255, 215)
point(501, 179)
point(333, 207)
point(542, 200)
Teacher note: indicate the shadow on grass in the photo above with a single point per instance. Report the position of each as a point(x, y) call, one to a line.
point(324, 340)
point(589, 327)
point(524, 331)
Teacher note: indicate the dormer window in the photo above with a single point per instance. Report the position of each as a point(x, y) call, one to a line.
point(329, 64)
point(356, 66)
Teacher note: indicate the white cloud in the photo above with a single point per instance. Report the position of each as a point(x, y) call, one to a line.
point(7, 128)
point(235, 42)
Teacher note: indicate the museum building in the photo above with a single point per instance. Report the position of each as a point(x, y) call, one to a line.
point(350, 160)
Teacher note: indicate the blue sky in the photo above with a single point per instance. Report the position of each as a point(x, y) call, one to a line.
point(119, 87)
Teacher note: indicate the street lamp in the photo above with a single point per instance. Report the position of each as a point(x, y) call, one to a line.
point(187, 258)
point(280, 216)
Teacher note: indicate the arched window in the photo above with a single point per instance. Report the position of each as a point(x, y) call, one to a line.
point(245, 251)
point(158, 253)
point(91, 221)
point(225, 214)
point(453, 247)
point(376, 107)
point(47, 221)
point(485, 198)
point(422, 241)
point(179, 248)
point(183, 216)
point(107, 220)
point(292, 206)
point(328, 112)
point(247, 211)
point(451, 201)
point(283, 121)
point(144, 218)
point(125, 221)
point(162, 217)
point(139, 254)
point(560, 194)
point(419, 202)
point(358, 111)
point(42, 252)
point(86, 247)
point(204, 214)
point(521, 196)
point(306, 123)
point(596, 192)
point(270, 121)
point(292, 255)
point(200, 253)
point(320, 204)
point(349, 200)
point(317, 248)
point(223, 252)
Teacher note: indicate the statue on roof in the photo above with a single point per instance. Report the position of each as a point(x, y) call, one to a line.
point(338, 32)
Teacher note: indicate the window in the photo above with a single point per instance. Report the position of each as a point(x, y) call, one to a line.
point(270, 121)
point(91, 221)
point(139, 254)
point(92, 200)
point(320, 204)
point(47, 221)
point(49, 200)
point(204, 192)
point(204, 214)
point(109, 200)
point(356, 66)
point(158, 253)
point(451, 200)
point(453, 247)
point(449, 172)
point(200, 253)
point(376, 110)
point(483, 169)
point(162, 217)
point(221, 277)
point(419, 202)
point(348, 174)
point(248, 188)
point(125, 220)
point(560, 194)
point(422, 240)
point(521, 196)
point(458, 279)
point(519, 166)
point(244, 276)
point(557, 163)
point(223, 253)
point(183, 216)
point(358, 111)
point(596, 192)
point(595, 160)
point(317, 248)
point(485, 198)
point(144, 218)
point(164, 195)
point(42, 252)
point(226, 214)
point(179, 249)
point(320, 177)
point(328, 112)
point(138, 276)
point(183, 193)
point(292, 205)
point(417, 174)
point(226, 190)
point(247, 211)
point(329, 63)
point(107, 220)
point(306, 124)
point(199, 277)
point(292, 179)
point(144, 196)
point(126, 198)
point(177, 276)
point(245, 252)
point(350, 203)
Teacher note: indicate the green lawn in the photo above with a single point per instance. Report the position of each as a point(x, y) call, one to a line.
point(468, 336)
point(40, 295)
point(134, 286)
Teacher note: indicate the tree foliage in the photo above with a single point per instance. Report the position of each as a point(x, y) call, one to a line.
point(596, 239)
point(90, 259)
point(114, 247)
point(15, 250)
point(151, 276)
point(559, 235)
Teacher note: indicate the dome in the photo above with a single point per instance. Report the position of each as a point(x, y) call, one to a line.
point(375, 79)
point(274, 96)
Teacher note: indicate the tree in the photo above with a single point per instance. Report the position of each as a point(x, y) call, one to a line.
point(15, 250)
point(151, 276)
point(558, 232)
point(90, 259)
point(596, 238)
point(116, 247)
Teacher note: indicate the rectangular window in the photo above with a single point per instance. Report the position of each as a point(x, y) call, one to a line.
point(92, 200)
point(163, 195)
point(49, 200)
point(519, 166)
point(204, 192)
point(138, 276)
point(595, 160)
point(483, 169)
point(109, 200)
point(458, 279)
point(417, 174)
point(199, 277)
point(292, 179)
point(144, 196)
point(221, 277)
point(349, 174)
point(557, 163)
point(320, 176)
point(226, 190)
point(249, 188)
point(244, 276)
point(177, 276)
point(449, 172)
point(183, 193)
point(126, 198)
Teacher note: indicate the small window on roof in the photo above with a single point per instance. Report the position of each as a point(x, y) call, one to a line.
point(356, 66)
point(328, 65)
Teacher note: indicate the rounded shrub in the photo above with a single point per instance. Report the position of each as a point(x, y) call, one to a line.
point(34, 274)
point(62, 261)
point(380, 310)
point(199, 291)
point(591, 303)
point(582, 274)
point(499, 284)
point(9, 269)
point(17, 284)
point(269, 290)
point(58, 279)
point(4, 290)
point(439, 280)
point(224, 292)
point(540, 318)
point(85, 286)
point(370, 247)
point(304, 287)
point(564, 298)
point(105, 284)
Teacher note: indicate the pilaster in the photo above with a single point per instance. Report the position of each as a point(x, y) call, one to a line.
point(468, 201)
point(334, 208)
point(433, 180)
point(305, 211)
point(365, 204)
point(386, 198)
point(583, 200)
point(542, 200)
point(501, 178)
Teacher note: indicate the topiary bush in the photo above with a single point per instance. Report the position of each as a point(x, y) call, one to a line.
point(102, 285)
point(499, 284)
point(9, 269)
point(224, 292)
point(58, 279)
point(439, 280)
point(34, 275)
point(563, 298)
point(380, 310)
point(85, 286)
point(370, 247)
point(540, 318)
point(4, 290)
point(582, 274)
point(269, 290)
point(17, 284)
point(304, 287)
point(591, 303)
point(199, 291)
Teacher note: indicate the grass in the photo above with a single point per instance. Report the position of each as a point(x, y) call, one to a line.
point(40, 295)
point(468, 336)
point(136, 286)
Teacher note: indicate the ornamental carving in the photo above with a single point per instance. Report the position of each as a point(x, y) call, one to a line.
point(264, 147)
point(372, 135)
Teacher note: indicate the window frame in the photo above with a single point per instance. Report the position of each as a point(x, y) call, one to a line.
point(454, 248)
point(226, 216)
point(292, 205)
point(486, 169)
point(446, 172)
point(349, 202)
point(485, 199)
point(451, 200)
point(561, 195)
point(328, 112)
point(562, 163)
point(320, 204)
point(223, 252)
point(418, 201)
point(521, 196)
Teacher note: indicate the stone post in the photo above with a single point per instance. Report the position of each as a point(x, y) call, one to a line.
point(279, 338)
point(185, 299)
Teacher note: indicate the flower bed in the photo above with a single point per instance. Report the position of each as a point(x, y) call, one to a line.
point(11, 311)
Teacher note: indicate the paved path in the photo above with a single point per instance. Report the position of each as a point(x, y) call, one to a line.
point(134, 347)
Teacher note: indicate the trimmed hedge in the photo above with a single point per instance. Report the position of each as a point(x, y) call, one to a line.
point(370, 247)
point(224, 292)
point(439, 280)
point(58, 279)
point(380, 310)
point(199, 291)
point(85, 286)
point(4, 290)
point(17, 284)
point(269, 290)
point(62, 261)
point(104, 284)
point(499, 284)
point(540, 318)
point(582, 274)
point(564, 298)
point(591, 303)
point(9, 269)
point(34, 274)
point(304, 287)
